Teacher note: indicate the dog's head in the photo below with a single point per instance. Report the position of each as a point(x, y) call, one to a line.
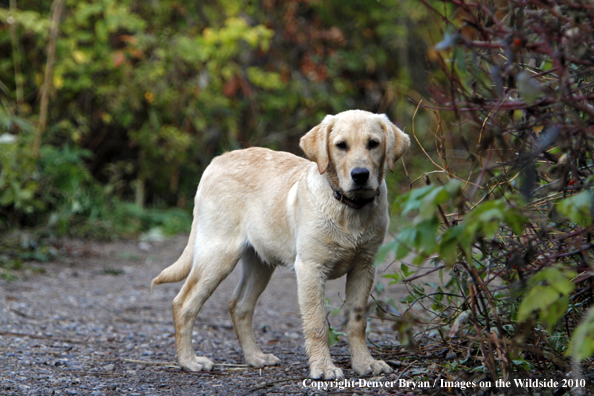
point(355, 147)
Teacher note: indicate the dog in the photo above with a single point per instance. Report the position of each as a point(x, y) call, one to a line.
point(326, 218)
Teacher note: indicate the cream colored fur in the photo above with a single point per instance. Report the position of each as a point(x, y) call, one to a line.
point(264, 209)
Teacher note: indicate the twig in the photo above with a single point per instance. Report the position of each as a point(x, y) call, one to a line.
point(423, 274)
point(267, 384)
point(404, 370)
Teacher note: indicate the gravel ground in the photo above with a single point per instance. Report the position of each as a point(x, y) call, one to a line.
point(90, 326)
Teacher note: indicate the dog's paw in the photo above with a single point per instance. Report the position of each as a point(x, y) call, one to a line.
point(197, 364)
point(325, 371)
point(262, 359)
point(371, 366)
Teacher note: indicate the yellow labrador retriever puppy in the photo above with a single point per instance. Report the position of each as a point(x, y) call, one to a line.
point(325, 218)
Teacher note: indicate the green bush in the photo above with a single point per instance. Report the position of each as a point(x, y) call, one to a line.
point(514, 228)
point(144, 95)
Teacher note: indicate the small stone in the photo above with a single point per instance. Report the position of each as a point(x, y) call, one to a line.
point(144, 247)
point(451, 356)
point(109, 367)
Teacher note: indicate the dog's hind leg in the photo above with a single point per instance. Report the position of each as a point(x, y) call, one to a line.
point(211, 266)
point(254, 278)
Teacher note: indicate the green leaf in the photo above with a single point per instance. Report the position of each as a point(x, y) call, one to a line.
point(577, 208)
point(550, 299)
point(333, 335)
point(582, 340)
point(420, 258)
point(429, 203)
point(454, 187)
point(101, 30)
point(554, 312)
point(556, 279)
point(405, 271)
point(528, 88)
point(412, 200)
point(538, 298)
point(490, 225)
point(491, 214)
point(383, 251)
point(379, 288)
point(546, 65)
point(7, 197)
point(408, 299)
point(523, 364)
point(261, 78)
point(516, 221)
point(394, 276)
point(427, 236)
point(448, 247)
point(401, 251)
point(439, 297)
point(405, 241)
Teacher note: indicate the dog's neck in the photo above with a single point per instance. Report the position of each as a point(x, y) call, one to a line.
point(352, 203)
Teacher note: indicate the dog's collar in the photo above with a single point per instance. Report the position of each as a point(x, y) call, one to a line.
point(355, 204)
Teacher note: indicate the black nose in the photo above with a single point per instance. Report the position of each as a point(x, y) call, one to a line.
point(360, 175)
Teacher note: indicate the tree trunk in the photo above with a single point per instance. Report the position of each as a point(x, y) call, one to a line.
point(47, 80)
point(16, 58)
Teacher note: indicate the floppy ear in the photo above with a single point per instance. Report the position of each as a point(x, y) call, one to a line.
point(397, 142)
point(315, 143)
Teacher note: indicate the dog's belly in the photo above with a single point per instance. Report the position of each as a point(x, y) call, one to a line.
point(273, 246)
point(272, 255)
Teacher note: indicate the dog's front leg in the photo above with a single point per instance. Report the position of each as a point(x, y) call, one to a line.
point(359, 283)
point(310, 290)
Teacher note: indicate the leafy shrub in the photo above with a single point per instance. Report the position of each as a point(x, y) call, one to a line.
point(18, 184)
point(514, 228)
point(164, 87)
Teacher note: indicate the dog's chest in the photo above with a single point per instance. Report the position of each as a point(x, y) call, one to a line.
point(347, 249)
point(343, 261)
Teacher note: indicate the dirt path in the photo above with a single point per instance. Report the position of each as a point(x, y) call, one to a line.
point(89, 326)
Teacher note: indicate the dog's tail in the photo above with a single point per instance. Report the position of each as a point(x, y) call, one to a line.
point(181, 268)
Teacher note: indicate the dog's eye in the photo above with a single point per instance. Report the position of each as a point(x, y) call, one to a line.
point(372, 144)
point(341, 145)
